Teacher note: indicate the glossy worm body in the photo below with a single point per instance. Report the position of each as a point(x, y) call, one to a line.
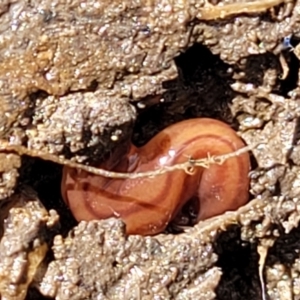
point(147, 205)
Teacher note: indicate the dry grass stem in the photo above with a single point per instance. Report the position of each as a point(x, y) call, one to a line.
point(212, 12)
point(188, 166)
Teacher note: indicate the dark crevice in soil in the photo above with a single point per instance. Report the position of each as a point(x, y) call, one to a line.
point(255, 68)
point(291, 81)
point(202, 89)
point(286, 248)
point(238, 261)
point(45, 177)
point(34, 294)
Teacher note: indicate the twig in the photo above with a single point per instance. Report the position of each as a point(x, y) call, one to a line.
point(212, 12)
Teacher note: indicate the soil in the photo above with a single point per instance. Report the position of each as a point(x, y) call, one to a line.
point(80, 78)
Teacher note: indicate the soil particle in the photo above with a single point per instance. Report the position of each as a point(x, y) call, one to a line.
point(26, 231)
